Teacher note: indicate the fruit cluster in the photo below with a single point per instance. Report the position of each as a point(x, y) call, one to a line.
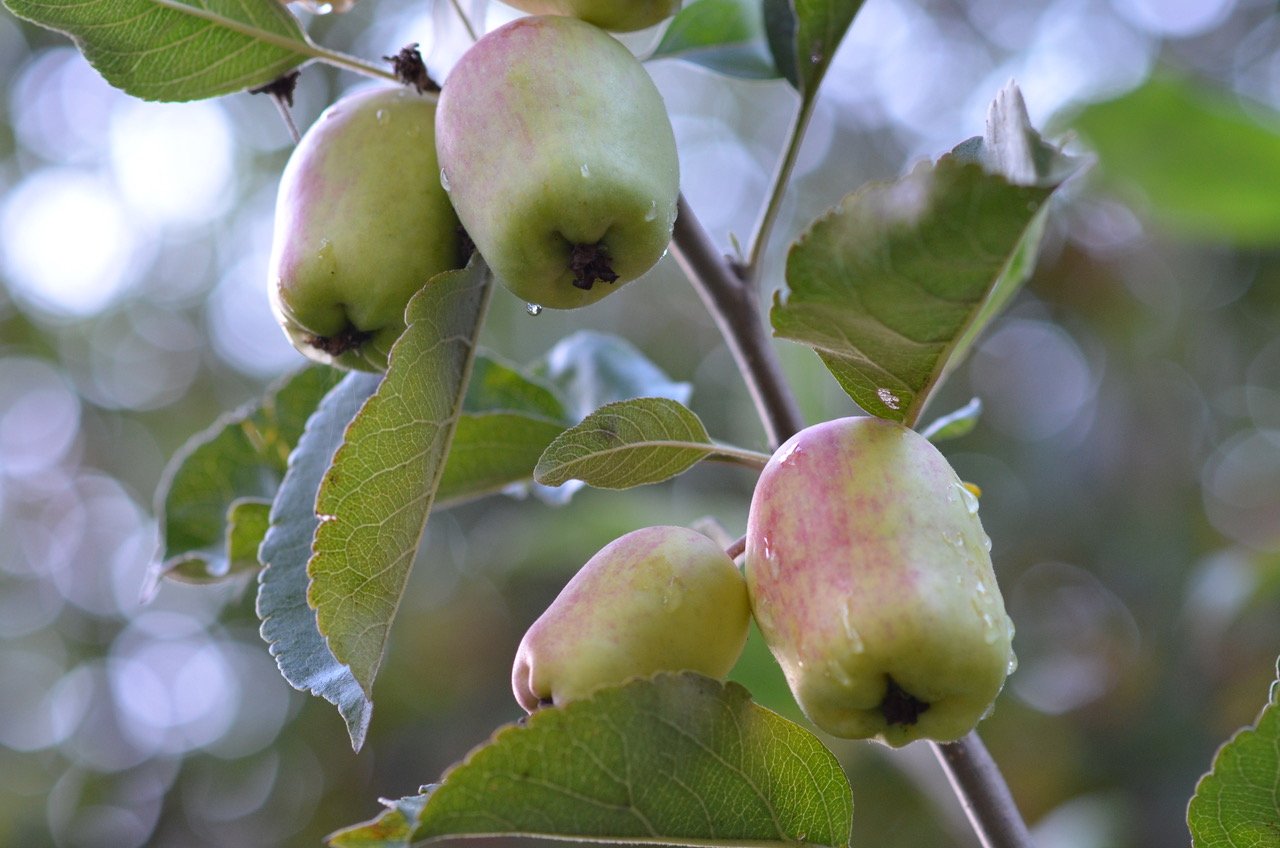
point(867, 570)
point(548, 150)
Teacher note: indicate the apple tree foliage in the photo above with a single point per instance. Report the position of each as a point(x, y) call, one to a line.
point(324, 487)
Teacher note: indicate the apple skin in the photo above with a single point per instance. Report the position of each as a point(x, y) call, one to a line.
point(613, 15)
point(361, 224)
point(657, 599)
point(870, 577)
point(552, 137)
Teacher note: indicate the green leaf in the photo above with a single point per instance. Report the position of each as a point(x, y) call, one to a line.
point(630, 443)
point(498, 387)
point(288, 623)
point(247, 523)
point(241, 456)
point(1205, 166)
point(892, 287)
point(803, 36)
point(491, 452)
point(375, 498)
point(1237, 804)
point(590, 369)
point(954, 424)
point(178, 49)
point(675, 759)
point(726, 36)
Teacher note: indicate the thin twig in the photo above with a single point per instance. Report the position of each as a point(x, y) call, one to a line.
point(283, 108)
point(735, 308)
point(466, 22)
point(781, 179)
point(983, 793)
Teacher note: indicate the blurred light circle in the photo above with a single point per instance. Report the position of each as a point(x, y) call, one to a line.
point(41, 711)
point(261, 717)
point(1033, 379)
point(243, 329)
point(1241, 485)
point(139, 358)
point(62, 107)
point(67, 243)
point(39, 417)
point(1075, 639)
point(173, 162)
point(1175, 18)
point(27, 604)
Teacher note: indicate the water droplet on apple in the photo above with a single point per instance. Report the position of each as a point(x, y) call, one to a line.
point(652, 214)
point(444, 180)
point(382, 117)
point(324, 8)
point(1013, 663)
point(533, 309)
point(856, 645)
point(586, 171)
point(970, 500)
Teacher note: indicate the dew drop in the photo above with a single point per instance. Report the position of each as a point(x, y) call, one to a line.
point(970, 500)
point(324, 8)
point(986, 543)
point(382, 116)
point(836, 672)
point(652, 214)
point(1012, 666)
point(533, 309)
point(325, 254)
point(444, 180)
point(586, 172)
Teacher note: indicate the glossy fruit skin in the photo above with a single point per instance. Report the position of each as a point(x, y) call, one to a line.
point(551, 135)
point(613, 15)
point(657, 599)
point(870, 577)
point(362, 223)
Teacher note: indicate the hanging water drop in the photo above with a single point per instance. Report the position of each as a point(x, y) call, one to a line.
point(444, 180)
point(533, 309)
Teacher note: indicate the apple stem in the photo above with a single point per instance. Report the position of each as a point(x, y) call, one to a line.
point(734, 305)
point(589, 263)
point(983, 792)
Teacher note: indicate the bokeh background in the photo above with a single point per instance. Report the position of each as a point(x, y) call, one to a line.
point(1129, 453)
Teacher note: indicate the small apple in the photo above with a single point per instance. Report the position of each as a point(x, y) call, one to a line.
point(362, 223)
point(559, 157)
point(657, 599)
point(870, 577)
point(614, 15)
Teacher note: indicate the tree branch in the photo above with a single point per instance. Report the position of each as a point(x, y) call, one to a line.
point(734, 306)
point(983, 793)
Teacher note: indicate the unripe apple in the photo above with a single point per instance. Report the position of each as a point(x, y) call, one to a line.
point(656, 599)
point(870, 577)
point(615, 15)
point(361, 224)
point(557, 151)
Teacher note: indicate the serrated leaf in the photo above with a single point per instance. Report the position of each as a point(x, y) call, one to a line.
point(803, 36)
point(492, 451)
point(628, 443)
point(178, 49)
point(288, 623)
point(375, 498)
point(1237, 804)
point(242, 455)
point(726, 36)
point(954, 424)
point(1200, 162)
point(676, 760)
point(590, 369)
point(892, 287)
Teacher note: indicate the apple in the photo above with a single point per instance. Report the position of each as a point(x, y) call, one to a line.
point(657, 599)
point(871, 579)
point(559, 157)
point(361, 224)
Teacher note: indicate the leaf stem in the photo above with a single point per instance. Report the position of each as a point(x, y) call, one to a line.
point(734, 306)
point(781, 179)
point(983, 792)
point(350, 63)
point(739, 456)
point(466, 21)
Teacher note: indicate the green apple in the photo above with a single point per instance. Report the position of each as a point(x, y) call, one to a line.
point(870, 577)
point(361, 224)
point(615, 15)
point(656, 599)
point(559, 157)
